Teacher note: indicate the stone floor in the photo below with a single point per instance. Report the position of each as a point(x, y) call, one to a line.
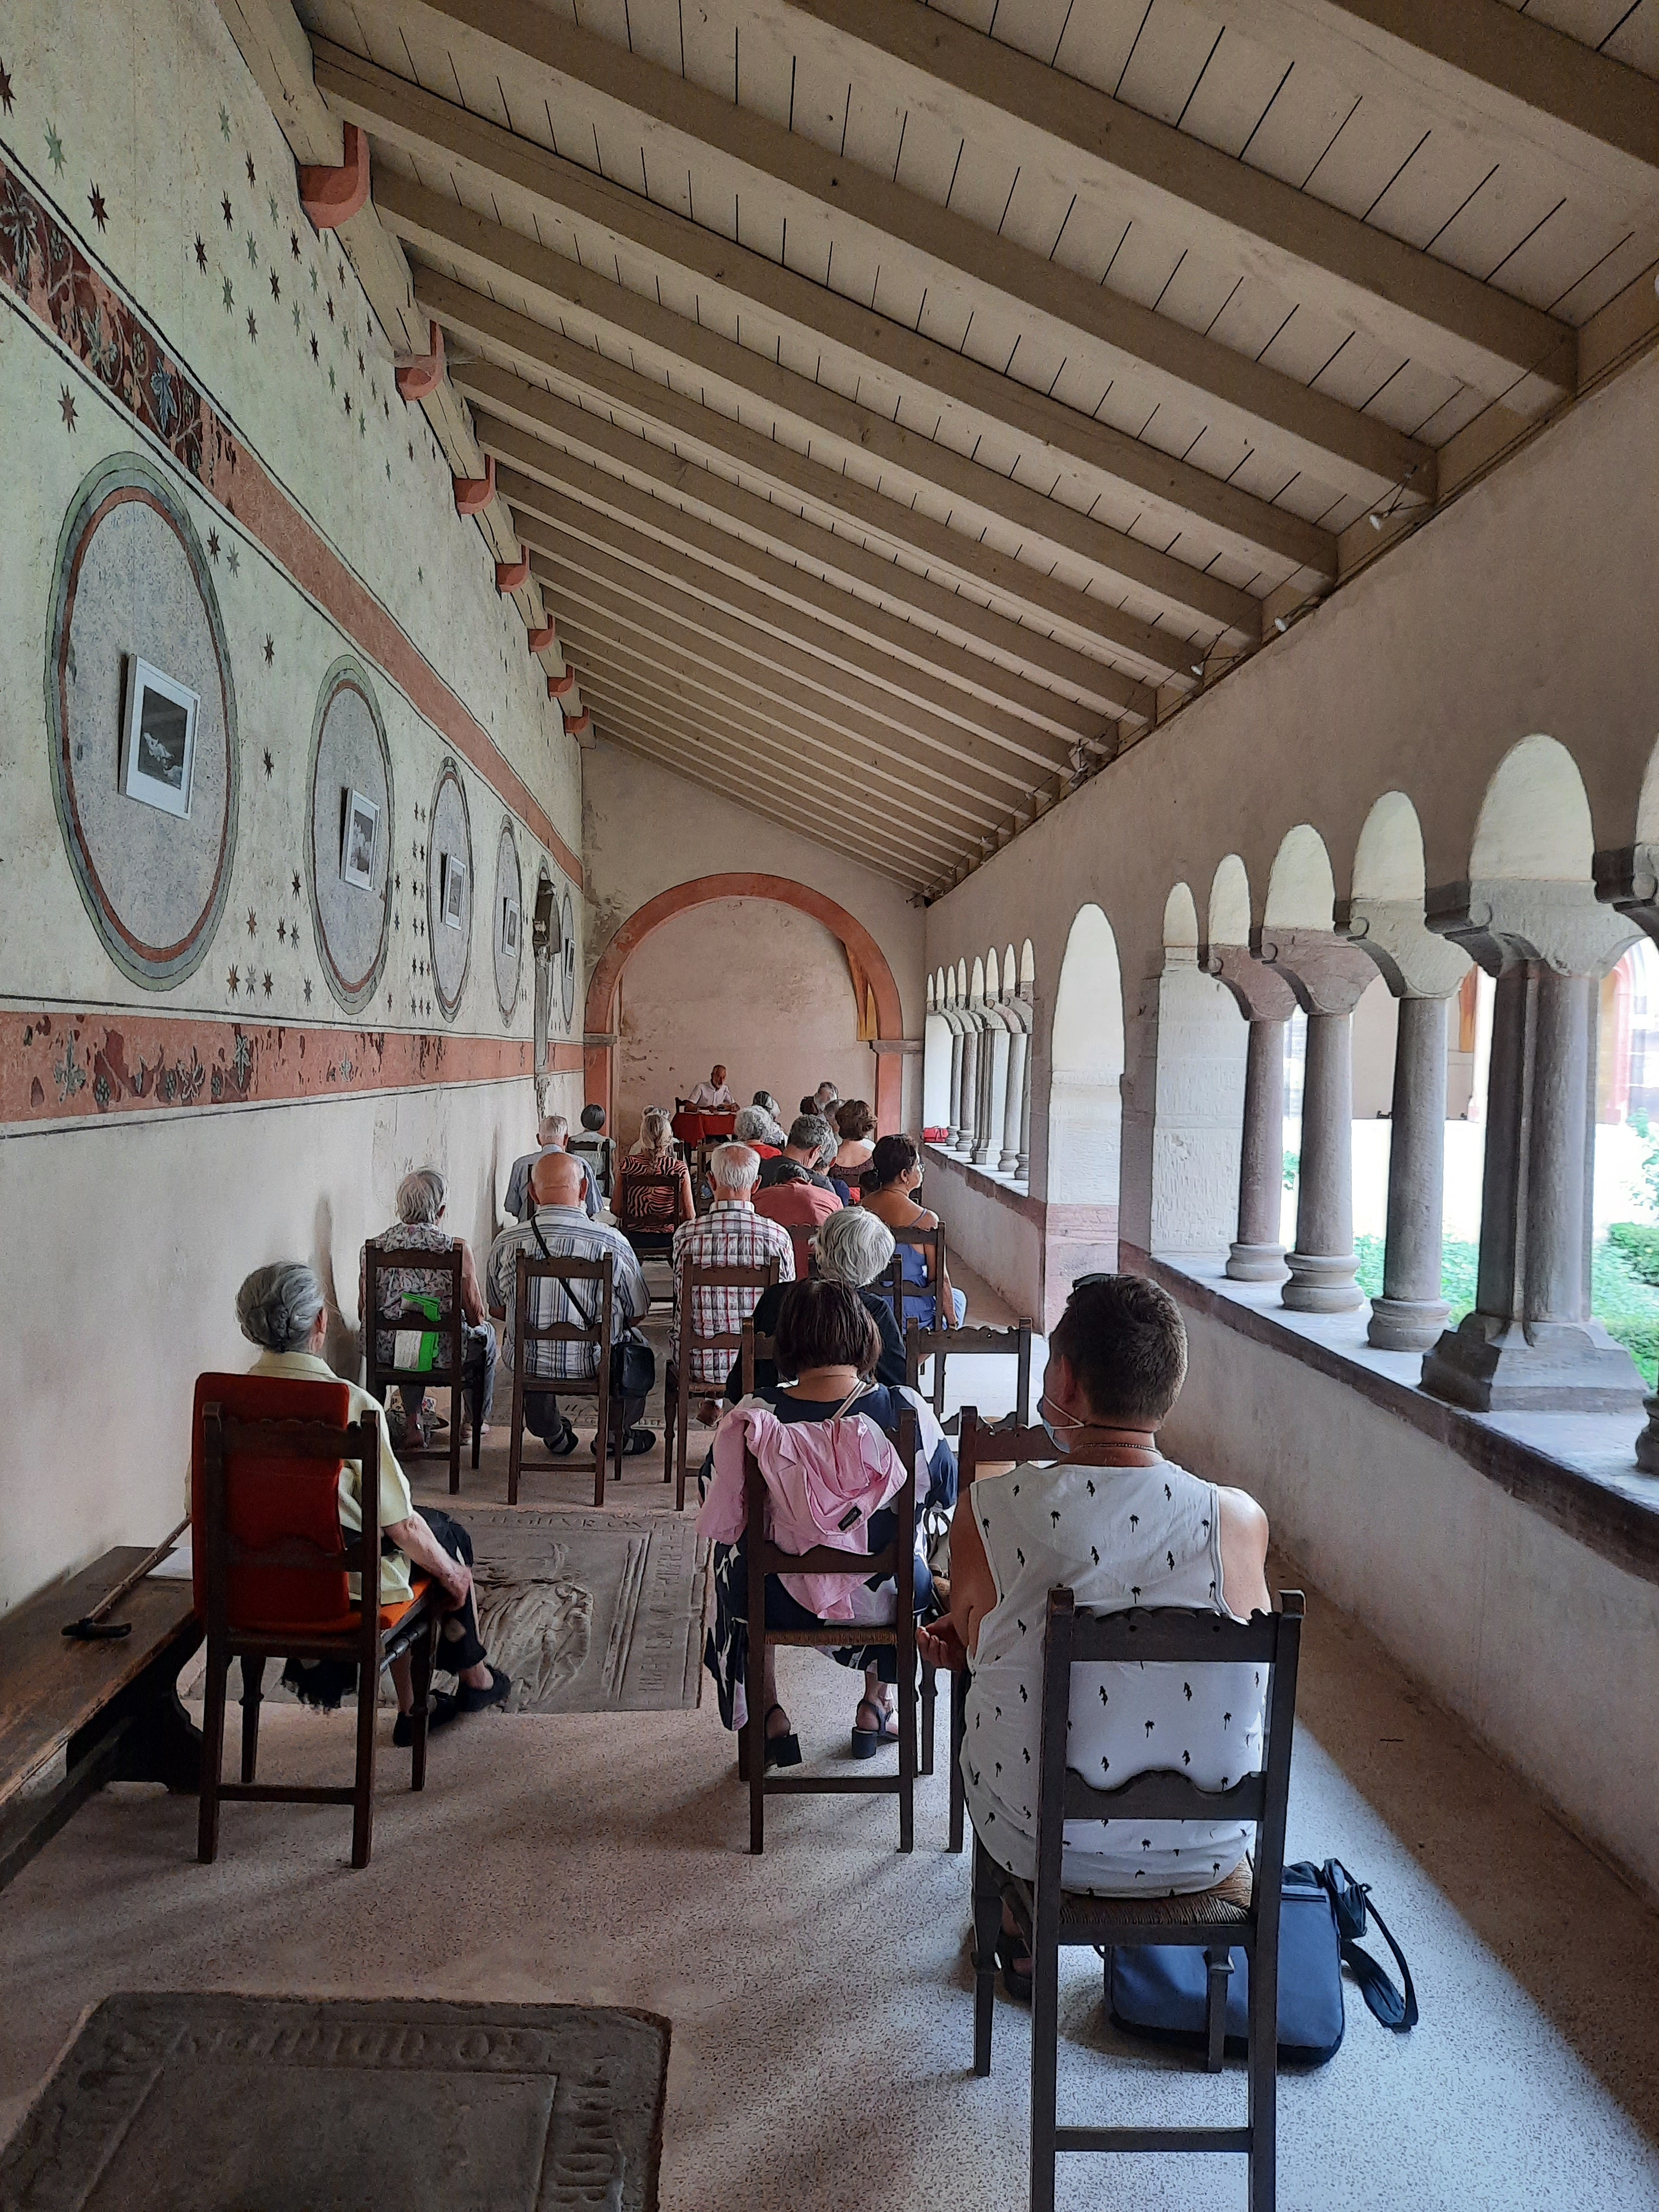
point(820, 1995)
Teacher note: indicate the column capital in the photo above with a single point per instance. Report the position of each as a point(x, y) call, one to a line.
point(1328, 975)
point(1262, 995)
point(1414, 962)
point(1627, 879)
point(1507, 919)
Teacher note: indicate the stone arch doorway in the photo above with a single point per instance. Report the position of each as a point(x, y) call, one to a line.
point(875, 993)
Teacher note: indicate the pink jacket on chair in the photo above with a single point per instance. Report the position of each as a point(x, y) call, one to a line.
point(815, 1473)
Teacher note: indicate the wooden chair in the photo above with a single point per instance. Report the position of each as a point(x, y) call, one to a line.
point(598, 1333)
point(653, 1243)
point(898, 1560)
point(1240, 1914)
point(379, 1259)
point(903, 1295)
point(936, 1344)
point(679, 1387)
point(270, 1562)
point(755, 1348)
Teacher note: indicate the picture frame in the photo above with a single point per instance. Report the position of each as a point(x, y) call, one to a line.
point(158, 738)
point(510, 926)
point(359, 833)
point(451, 892)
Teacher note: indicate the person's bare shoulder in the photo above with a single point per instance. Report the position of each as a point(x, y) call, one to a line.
point(1243, 1553)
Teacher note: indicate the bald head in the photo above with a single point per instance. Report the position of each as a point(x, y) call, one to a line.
point(556, 1180)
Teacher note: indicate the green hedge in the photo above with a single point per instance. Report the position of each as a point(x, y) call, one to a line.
point(1639, 1241)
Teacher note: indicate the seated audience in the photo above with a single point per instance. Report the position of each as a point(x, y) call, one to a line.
point(855, 1125)
point(714, 1097)
point(826, 1096)
point(791, 1199)
point(768, 1106)
point(1140, 1532)
point(756, 1129)
point(854, 1248)
point(558, 1228)
point(890, 1187)
point(809, 1105)
point(645, 1206)
point(730, 1234)
point(829, 1344)
point(282, 1309)
point(594, 1149)
point(552, 1132)
point(811, 1142)
point(420, 1198)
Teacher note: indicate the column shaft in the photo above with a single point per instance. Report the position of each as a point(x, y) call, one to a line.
point(1018, 1043)
point(953, 1129)
point(1258, 1257)
point(1323, 1263)
point(1411, 1313)
point(969, 1090)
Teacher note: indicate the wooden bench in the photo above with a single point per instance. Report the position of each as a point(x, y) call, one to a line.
point(110, 1707)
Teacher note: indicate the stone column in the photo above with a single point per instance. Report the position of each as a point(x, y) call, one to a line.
point(1328, 976)
point(953, 1130)
point(1530, 1344)
point(1023, 1163)
point(987, 1150)
point(969, 1119)
point(1423, 971)
point(1013, 1103)
point(1267, 1002)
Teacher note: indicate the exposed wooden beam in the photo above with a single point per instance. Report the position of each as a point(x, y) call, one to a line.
point(537, 49)
point(490, 251)
point(1314, 254)
point(1061, 439)
point(978, 629)
point(1020, 583)
point(956, 785)
point(644, 559)
point(592, 577)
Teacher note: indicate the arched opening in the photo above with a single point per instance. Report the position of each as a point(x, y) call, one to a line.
point(1230, 903)
point(1197, 1095)
point(1085, 1110)
point(877, 1015)
point(1535, 821)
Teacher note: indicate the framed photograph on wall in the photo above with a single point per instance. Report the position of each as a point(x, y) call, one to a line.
point(362, 827)
point(453, 891)
point(158, 738)
point(509, 926)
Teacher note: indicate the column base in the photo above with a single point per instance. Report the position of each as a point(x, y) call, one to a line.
point(1492, 1365)
point(1406, 1324)
point(1647, 1444)
point(1321, 1282)
point(1256, 1263)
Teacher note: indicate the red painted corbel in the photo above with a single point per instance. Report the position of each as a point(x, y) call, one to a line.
point(541, 638)
point(331, 196)
point(561, 687)
point(474, 494)
point(419, 375)
point(581, 725)
point(511, 576)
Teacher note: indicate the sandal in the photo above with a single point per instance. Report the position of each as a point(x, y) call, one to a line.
point(1016, 1980)
point(866, 1742)
point(469, 1700)
point(781, 1750)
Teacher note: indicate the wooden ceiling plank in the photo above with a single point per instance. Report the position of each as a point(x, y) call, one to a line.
point(537, 49)
point(1314, 254)
point(1064, 438)
point(504, 394)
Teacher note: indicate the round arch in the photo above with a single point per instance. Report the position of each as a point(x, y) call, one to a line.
point(875, 992)
point(1085, 1107)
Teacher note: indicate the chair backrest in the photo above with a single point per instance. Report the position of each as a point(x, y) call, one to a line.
point(897, 1557)
point(935, 1344)
point(597, 1330)
point(694, 1277)
point(266, 1455)
point(901, 1292)
point(1267, 1641)
point(380, 1260)
point(652, 1204)
point(755, 1348)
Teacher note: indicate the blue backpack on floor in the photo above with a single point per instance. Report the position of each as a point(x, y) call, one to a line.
point(1158, 1989)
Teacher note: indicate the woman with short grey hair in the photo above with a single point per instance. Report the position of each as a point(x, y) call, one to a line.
point(282, 1309)
point(755, 1127)
point(852, 1249)
point(422, 1197)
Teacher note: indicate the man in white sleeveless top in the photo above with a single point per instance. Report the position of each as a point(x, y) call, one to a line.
point(1140, 1532)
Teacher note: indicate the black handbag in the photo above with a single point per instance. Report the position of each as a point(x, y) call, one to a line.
point(633, 1362)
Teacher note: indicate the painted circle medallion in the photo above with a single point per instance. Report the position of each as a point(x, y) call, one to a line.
point(449, 889)
point(508, 922)
point(149, 813)
point(567, 960)
point(348, 846)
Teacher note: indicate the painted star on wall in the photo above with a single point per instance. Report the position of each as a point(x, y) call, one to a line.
point(273, 206)
point(347, 403)
point(224, 120)
point(99, 207)
point(253, 922)
point(248, 158)
point(269, 765)
point(313, 346)
point(5, 89)
point(293, 244)
point(308, 990)
point(275, 286)
point(66, 405)
point(252, 251)
point(232, 558)
point(252, 984)
point(212, 543)
point(54, 148)
point(232, 981)
point(281, 926)
point(253, 327)
point(201, 253)
point(225, 210)
point(296, 312)
point(270, 649)
point(331, 379)
point(313, 280)
point(229, 297)
point(331, 306)
point(267, 982)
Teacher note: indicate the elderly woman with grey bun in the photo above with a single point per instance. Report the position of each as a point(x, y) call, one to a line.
point(282, 1310)
point(422, 1197)
point(853, 1249)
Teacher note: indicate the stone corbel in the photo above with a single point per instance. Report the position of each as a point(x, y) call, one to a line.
point(1566, 926)
point(561, 687)
point(512, 575)
point(1415, 963)
point(540, 640)
point(1326, 973)
point(1261, 993)
point(419, 375)
point(474, 494)
point(331, 196)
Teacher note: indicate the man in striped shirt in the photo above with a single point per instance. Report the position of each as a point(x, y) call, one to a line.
point(730, 1234)
point(558, 1228)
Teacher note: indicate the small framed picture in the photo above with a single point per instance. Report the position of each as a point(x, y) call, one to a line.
point(452, 900)
point(158, 738)
point(362, 826)
point(509, 925)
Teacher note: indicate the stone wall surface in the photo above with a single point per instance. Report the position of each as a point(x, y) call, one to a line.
point(215, 1049)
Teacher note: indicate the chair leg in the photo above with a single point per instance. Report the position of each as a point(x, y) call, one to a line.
point(421, 1657)
point(670, 1382)
point(755, 1732)
point(213, 1754)
point(907, 1740)
point(362, 1817)
point(929, 1707)
point(958, 1733)
point(1263, 2076)
point(477, 1423)
point(1045, 2059)
point(986, 1894)
point(1219, 1960)
point(457, 1400)
point(515, 1441)
point(681, 1424)
point(253, 1675)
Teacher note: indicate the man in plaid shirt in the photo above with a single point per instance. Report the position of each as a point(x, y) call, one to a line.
point(730, 1234)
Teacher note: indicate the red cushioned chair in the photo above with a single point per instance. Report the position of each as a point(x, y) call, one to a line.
point(271, 1563)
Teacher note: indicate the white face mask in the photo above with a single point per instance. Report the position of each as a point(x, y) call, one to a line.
point(1058, 1422)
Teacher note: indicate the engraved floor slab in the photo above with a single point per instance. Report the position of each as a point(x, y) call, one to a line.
point(590, 1612)
point(225, 2103)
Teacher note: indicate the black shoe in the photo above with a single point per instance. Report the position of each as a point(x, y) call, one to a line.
point(469, 1700)
point(439, 1710)
point(638, 1441)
